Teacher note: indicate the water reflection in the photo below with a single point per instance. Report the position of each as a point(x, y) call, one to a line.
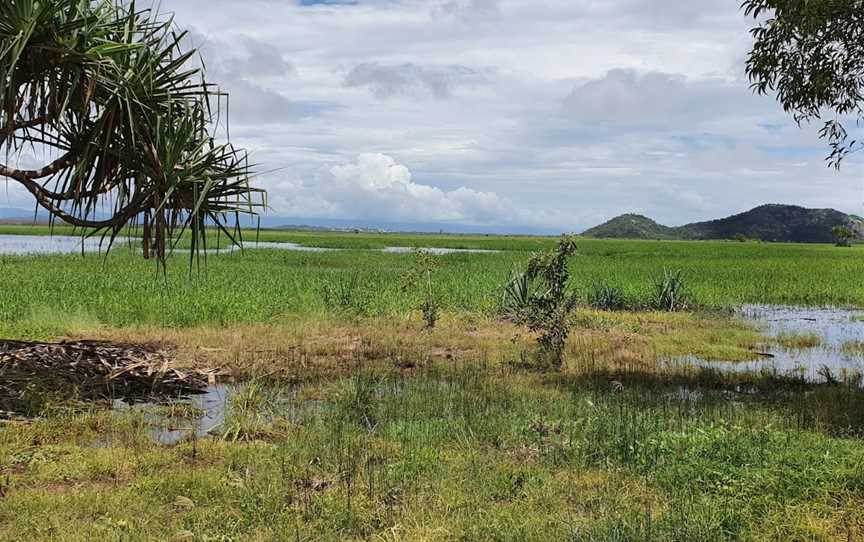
point(836, 329)
point(22, 245)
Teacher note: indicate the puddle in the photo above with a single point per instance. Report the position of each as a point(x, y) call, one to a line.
point(21, 245)
point(834, 327)
point(205, 413)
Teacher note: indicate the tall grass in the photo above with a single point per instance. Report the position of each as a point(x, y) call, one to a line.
point(267, 285)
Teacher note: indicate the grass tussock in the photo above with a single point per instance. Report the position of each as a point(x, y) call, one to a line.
point(799, 341)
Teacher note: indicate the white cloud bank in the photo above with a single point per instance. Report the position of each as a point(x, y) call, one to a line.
point(375, 186)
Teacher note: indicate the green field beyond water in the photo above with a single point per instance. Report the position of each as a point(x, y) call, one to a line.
point(355, 423)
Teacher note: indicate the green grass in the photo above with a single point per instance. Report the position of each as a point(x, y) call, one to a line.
point(462, 446)
point(449, 454)
point(45, 295)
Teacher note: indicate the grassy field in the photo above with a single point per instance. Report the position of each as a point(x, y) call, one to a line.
point(351, 422)
point(47, 295)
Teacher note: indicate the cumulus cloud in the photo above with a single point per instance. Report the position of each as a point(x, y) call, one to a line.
point(375, 186)
point(408, 79)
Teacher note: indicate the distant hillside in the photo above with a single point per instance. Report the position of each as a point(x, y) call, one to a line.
point(776, 223)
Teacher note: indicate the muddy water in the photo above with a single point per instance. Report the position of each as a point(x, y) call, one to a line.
point(833, 326)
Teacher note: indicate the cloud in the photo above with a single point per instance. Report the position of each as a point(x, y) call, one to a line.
point(410, 79)
point(628, 97)
point(466, 10)
point(591, 107)
point(375, 186)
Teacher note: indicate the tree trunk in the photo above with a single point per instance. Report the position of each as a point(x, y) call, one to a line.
point(145, 242)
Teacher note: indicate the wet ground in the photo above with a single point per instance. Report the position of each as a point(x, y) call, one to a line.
point(206, 414)
point(837, 354)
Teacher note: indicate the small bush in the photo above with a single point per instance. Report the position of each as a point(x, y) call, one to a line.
point(670, 293)
point(541, 299)
point(605, 297)
point(421, 277)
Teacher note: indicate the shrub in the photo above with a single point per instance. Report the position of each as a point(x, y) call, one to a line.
point(843, 236)
point(605, 297)
point(541, 300)
point(670, 293)
point(420, 277)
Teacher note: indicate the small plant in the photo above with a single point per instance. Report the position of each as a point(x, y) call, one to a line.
point(543, 301)
point(517, 296)
point(347, 294)
point(740, 237)
point(843, 236)
point(670, 294)
point(605, 297)
point(420, 277)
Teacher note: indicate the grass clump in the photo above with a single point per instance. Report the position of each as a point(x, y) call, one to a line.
point(670, 293)
point(606, 297)
point(799, 341)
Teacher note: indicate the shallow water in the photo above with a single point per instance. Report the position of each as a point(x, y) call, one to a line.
point(438, 251)
point(833, 326)
point(212, 405)
point(22, 245)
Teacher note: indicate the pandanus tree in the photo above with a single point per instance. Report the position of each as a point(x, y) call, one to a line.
point(117, 112)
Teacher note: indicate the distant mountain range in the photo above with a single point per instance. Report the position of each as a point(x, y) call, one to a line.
point(775, 223)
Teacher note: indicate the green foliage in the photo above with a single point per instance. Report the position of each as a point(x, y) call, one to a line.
point(670, 293)
point(809, 53)
point(116, 100)
point(420, 277)
point(843, 236)
point(606, 297)
point(549, 304)
point(50, 296)
point(348, 294)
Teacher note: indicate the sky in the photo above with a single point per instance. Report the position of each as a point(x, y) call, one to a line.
point(514, 115)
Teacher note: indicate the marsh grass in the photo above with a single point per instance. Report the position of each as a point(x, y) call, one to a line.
point(457, 451)
point(352, 422)
point(122, 291)
point(799, 341)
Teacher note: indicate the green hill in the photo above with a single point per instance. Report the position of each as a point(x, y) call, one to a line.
point(776, 223)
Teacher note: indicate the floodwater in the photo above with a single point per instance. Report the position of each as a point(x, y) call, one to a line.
point(834, 327)
point(438, 251)
point(22, 245)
